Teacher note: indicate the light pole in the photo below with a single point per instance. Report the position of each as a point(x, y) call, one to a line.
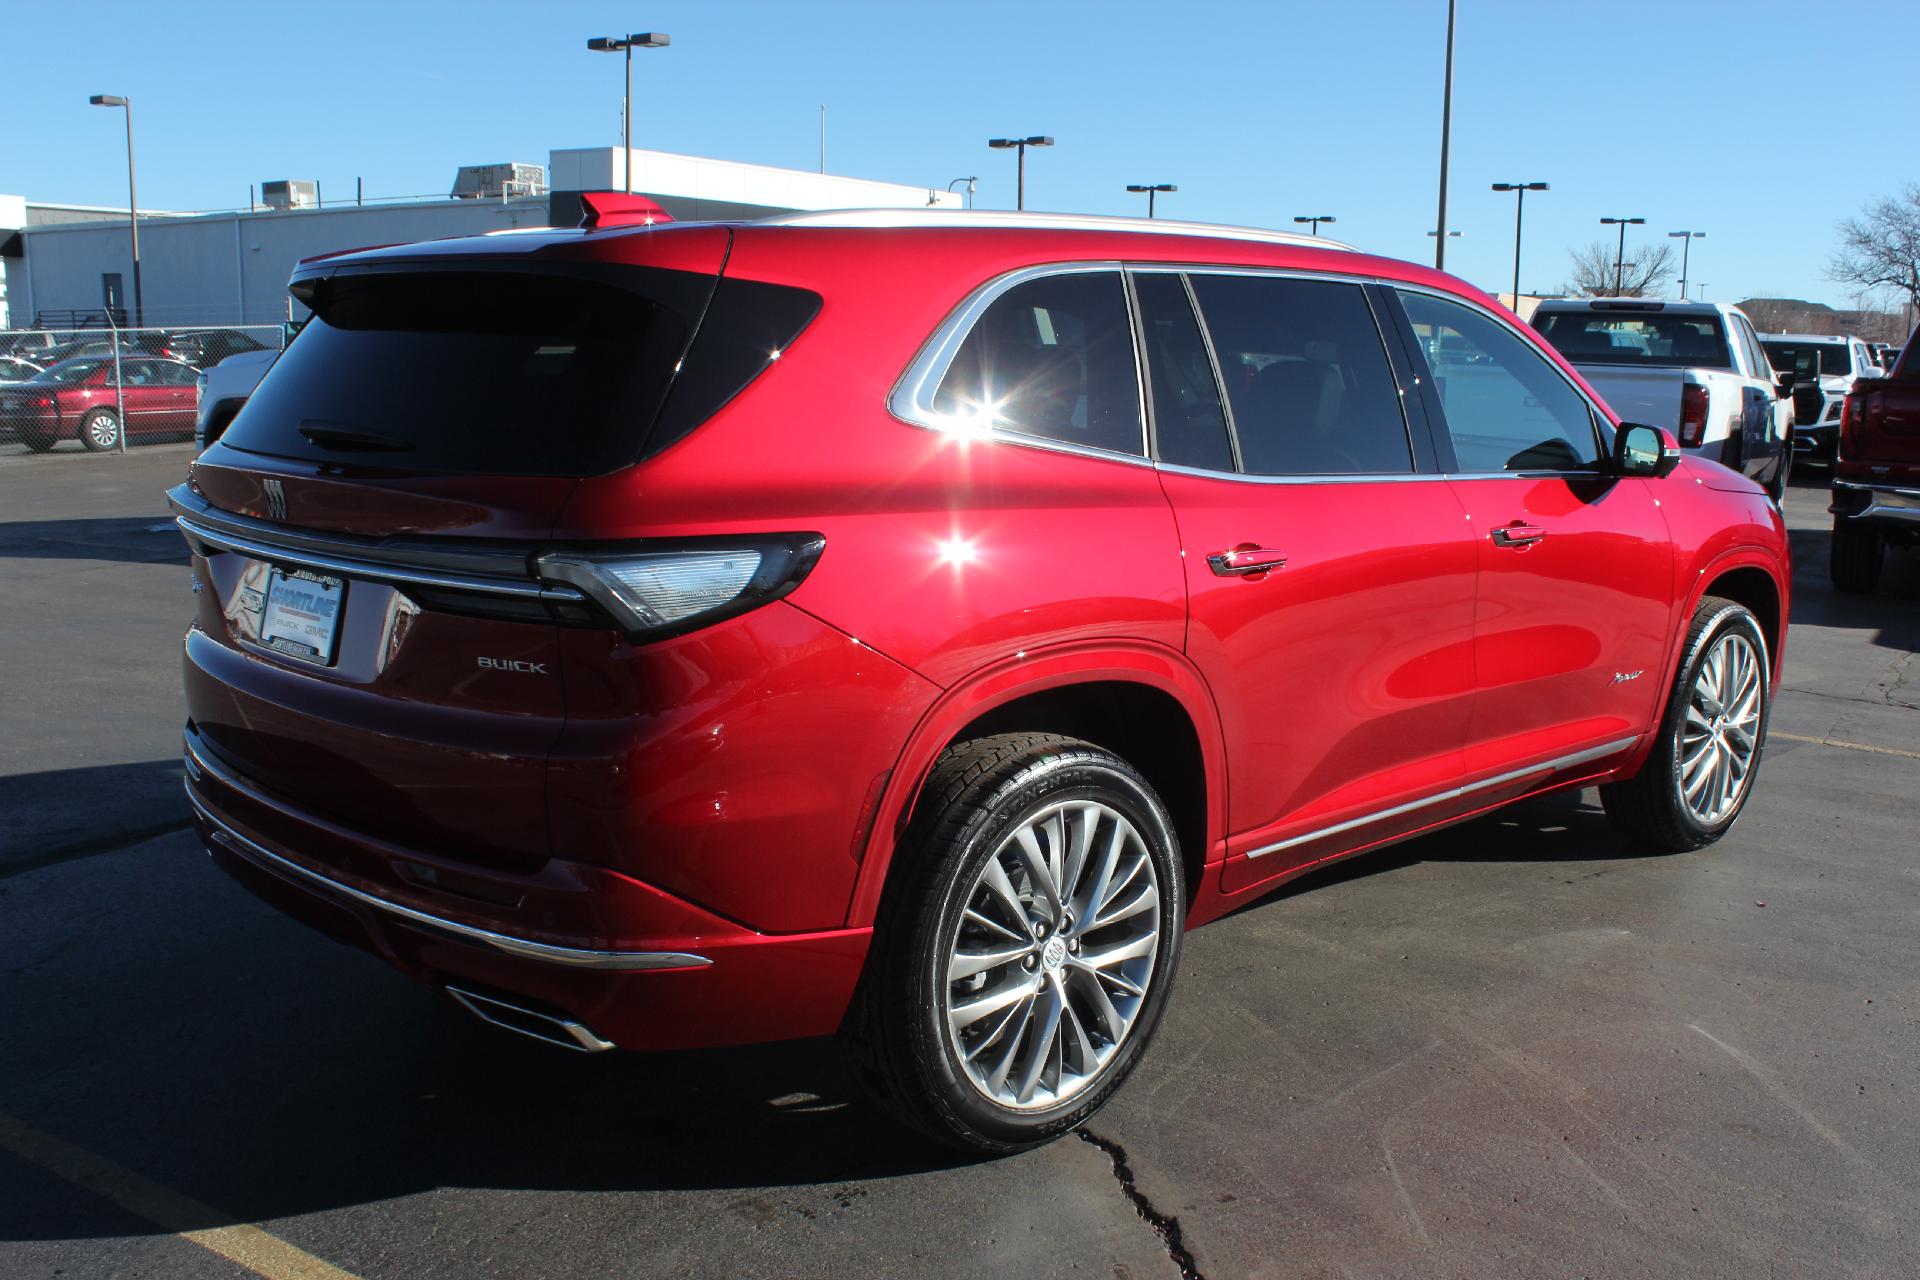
point(971, 184)
point(1686, 239)
point(1519, 190)
point(1620, 257)
point(646, 40)
point(1020, 144)
point(1446, 132)
point(133, 206)
point(1152, 190)
point(1316, 219)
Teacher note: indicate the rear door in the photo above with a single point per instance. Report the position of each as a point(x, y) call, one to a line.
point(1329, 571)
point(370, 647)
point(1576, 584)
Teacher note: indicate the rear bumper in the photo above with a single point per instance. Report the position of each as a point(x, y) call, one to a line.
point(642, 969)
point(1894, 506)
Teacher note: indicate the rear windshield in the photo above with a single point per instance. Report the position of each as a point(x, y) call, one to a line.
point(1810, 359)
point(1651, 338)
point(500, 372)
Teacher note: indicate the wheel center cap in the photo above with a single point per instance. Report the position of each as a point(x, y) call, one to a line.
point(1054, 954)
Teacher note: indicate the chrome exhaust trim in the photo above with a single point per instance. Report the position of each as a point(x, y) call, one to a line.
point(546, 1027)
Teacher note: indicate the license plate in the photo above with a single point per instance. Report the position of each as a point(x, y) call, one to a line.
point(302, 614)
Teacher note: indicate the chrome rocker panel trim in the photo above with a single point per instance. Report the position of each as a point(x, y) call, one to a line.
point(524, 948)
point(1451, 793)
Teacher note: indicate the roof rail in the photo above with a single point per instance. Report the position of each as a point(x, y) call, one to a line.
point(1000, 218)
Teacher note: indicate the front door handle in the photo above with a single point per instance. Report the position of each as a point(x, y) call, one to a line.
point(1246, 559)
point(1518, 535)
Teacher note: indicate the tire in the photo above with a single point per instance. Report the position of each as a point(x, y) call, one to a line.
point(100, 431)
point(1854, 558)
point(1726, 659)
point(983, 1084)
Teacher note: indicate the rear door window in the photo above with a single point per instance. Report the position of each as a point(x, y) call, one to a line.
point(477, 371)
point(1507, 407)
point(1189, 423)
point(1052, 358)
point(1307, 377)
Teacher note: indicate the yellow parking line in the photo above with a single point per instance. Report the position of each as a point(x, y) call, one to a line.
point(1850, 746)
point(260, 1252)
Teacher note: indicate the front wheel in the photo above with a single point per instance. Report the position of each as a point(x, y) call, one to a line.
point(100, 430)
point(1026, 949)
point(1702, 767)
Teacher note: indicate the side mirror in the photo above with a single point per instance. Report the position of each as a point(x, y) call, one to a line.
point(1783, 387)
point(1640, 450)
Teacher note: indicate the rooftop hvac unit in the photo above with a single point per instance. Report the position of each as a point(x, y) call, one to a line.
point(291, 193)
point(481, 181)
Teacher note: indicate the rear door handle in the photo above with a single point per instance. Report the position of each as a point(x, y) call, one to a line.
point(1244, 560)
point(1518, 535)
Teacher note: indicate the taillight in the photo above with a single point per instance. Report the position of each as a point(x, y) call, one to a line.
point(42, 402)
point(656, 590)
point(1693, 415)
point(1849, 427)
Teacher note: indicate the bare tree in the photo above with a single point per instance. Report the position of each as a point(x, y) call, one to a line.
point(1648, 267)
point(1880, 249)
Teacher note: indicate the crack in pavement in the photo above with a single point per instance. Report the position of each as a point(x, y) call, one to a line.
point(113, 843)
point(1163, 1225)
point(1885, 700)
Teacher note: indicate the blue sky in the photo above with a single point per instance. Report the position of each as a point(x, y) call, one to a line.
point(1680, 112)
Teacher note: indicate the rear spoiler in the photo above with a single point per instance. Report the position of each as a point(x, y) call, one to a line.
point(619, 209)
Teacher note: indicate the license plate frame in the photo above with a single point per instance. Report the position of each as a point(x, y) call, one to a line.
point(300, 614)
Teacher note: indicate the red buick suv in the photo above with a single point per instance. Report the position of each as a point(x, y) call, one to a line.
point(907, 625)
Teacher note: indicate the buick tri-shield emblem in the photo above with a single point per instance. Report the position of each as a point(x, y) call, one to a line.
point(276, 499)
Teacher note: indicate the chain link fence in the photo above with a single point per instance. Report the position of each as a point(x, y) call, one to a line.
point(95, 385)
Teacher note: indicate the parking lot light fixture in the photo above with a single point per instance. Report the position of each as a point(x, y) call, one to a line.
point(133, 203)
point(1152, 190)
point(627, 44)
point(1620, 256)
point(1315, 219)
point(1519, 190)
point(1020, 145)
point(1686, 239)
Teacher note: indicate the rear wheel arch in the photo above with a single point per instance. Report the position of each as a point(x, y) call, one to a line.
point(1141, 702)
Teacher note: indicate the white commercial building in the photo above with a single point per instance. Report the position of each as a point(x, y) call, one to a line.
point(59, 262)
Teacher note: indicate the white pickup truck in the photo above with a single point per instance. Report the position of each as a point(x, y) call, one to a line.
point(1695, 368)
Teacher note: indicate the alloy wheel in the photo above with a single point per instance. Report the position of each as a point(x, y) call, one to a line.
point(103, 430)
point(1050, 962)
point(1720, 735)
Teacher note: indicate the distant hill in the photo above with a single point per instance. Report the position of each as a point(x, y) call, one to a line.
point(1796, 315)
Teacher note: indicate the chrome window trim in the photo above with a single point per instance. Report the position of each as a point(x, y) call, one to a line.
point(1451, 793)
point(525, 948)
point(911, 398)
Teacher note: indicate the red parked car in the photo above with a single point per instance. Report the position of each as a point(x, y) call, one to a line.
point(1876, 474)
point(77, 400)
point(909, 625)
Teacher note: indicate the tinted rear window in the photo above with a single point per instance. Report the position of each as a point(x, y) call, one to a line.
point(503, 372)
point(1665, 339)
point(1810, 359)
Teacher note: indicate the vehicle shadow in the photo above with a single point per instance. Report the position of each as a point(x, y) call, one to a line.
point(1564, 826)
point(59, 815)
point(120, 539)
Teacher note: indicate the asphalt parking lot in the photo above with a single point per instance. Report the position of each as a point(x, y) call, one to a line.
point(1511, 1049)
